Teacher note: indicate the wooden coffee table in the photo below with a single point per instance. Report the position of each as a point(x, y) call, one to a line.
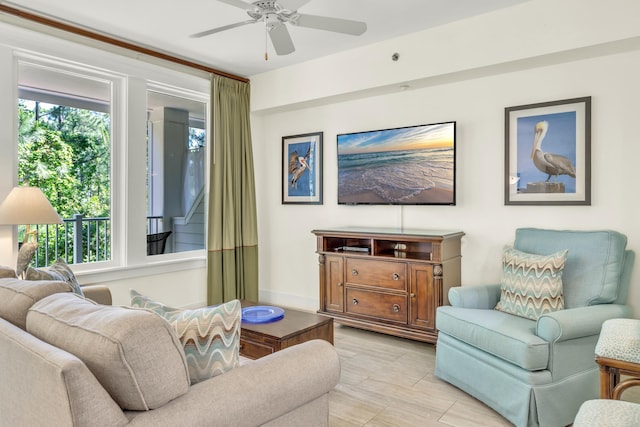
point(261, 339)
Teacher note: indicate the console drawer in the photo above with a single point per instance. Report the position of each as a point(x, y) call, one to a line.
point(376, 304)
point(390, 275)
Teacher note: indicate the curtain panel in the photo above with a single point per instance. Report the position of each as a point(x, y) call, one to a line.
point(232, 241)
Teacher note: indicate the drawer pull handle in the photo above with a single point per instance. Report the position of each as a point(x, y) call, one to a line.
point(396, 276)
point(355, 301)
point(396, 308)
point(412, 295)
point(354, 272)
point(339, 284)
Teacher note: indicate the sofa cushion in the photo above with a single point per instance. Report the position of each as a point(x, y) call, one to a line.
point(210, 336)
point(594, 263)
point(509, 337)
point(59, 270)
point(531, 284)
point(17, 296)
point(133, 353)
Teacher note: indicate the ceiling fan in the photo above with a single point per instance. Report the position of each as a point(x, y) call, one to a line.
point(277, 13)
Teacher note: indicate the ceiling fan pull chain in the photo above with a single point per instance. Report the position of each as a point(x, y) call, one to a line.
point(266, 30)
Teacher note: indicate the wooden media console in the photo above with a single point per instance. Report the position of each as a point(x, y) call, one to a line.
point(386, 280)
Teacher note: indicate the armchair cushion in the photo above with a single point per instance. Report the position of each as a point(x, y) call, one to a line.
point(595, 261)
point(531, 284)
point(509, 337)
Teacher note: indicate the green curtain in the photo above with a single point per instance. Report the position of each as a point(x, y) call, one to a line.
point(232, 241)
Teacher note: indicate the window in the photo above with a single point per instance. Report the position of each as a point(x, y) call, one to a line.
point(176, 153)
point(67, 85)
point(64, 148)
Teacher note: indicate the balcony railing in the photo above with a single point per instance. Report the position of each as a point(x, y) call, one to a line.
point(80, 240)
point(77, 240)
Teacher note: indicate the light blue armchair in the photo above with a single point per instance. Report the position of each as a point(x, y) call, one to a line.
point(537, 373)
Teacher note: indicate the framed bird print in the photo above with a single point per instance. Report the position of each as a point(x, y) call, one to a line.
point(548, 153)
point(302, 169)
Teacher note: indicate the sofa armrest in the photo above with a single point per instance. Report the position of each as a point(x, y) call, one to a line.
point(97, 293)
point(255, 393)
point(578, 322)
point(480, 296)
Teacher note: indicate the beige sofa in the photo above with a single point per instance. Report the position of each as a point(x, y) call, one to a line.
point(42, 384)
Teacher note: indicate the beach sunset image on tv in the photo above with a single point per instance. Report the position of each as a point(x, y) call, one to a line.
point(411, 165)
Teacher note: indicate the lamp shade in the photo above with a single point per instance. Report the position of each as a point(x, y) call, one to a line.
point(27, 205)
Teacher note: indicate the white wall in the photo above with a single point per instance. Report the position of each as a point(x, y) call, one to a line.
point(471, 83)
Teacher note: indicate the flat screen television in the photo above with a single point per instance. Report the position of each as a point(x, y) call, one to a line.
point(413, 165)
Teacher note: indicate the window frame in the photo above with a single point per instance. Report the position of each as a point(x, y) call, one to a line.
point(115, 82)
point(131, 76)
point(191, 95)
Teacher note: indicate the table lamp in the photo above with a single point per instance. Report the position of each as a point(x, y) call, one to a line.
point(28, 205)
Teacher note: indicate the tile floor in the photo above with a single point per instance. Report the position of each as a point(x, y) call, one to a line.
point(389, 381)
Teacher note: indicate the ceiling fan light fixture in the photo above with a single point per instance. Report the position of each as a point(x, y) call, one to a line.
point(272, 20)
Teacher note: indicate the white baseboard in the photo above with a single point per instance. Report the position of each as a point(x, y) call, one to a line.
point(274, 298)
point(289, 300)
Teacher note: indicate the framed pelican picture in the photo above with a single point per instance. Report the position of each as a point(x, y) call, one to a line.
point(302, 169)
point(548, 153)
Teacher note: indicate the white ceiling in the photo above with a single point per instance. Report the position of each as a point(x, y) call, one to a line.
point(165, 25)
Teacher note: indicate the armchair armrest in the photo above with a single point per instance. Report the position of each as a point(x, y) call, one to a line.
point(480, 296)
point(255, 393)
point(578, 322)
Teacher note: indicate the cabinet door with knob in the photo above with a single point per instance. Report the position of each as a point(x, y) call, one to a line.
point(334, 283)
point(422, 296)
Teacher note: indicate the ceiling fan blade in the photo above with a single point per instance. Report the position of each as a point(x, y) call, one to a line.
point(281, 40)
point(346, 26)
point(219, 29)
point(292, 5)
point(238, 3)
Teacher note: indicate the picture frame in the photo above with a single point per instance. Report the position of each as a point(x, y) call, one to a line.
point(548, 153)
point(302, 169)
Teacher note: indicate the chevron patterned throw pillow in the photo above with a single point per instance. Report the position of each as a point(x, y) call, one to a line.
point(210, 336)
point(531, 284)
